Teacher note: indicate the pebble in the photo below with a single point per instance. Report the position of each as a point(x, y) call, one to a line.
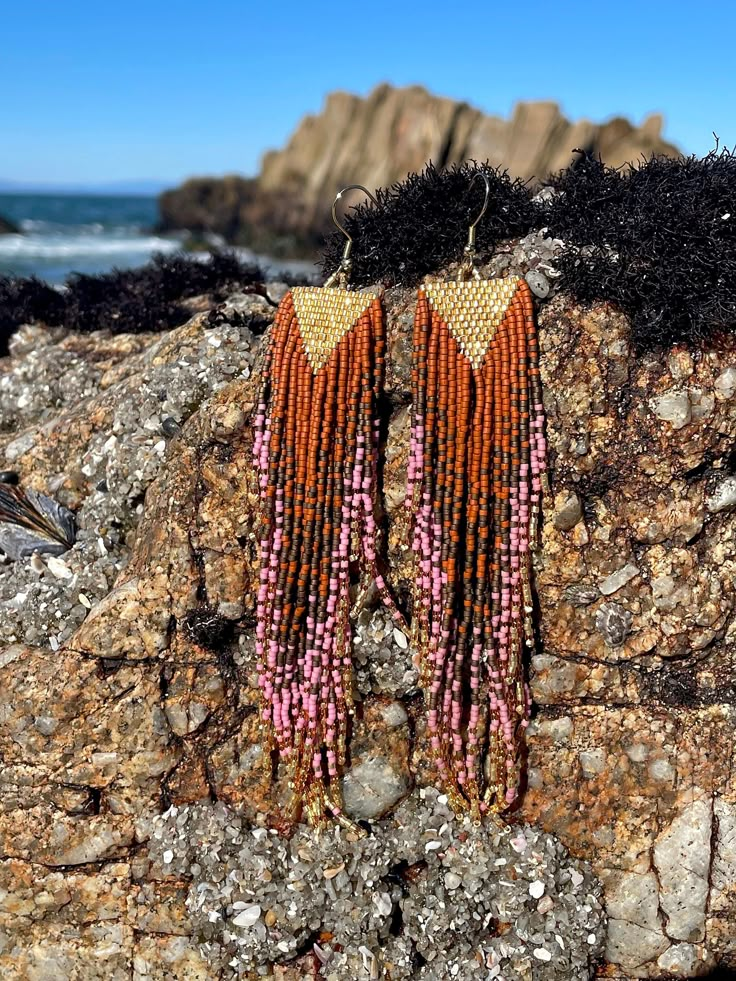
point(674, 407)
point(168, 857)
point(452, 880)
point(276, 292)
point(538, 283)
point(569, 512)
point(170, 426)
point(618, 579)
point(542, 954)
point(383, 903)
point(59, 568)
point(725, 383)
point(613, 622)
point(536, 889)
point(249, 916)
point(723, 497)
point(8, 477)
point(400, 638)
point(373, 787)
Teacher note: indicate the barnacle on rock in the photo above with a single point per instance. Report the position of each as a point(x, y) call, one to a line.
point(614, 623)
point(580, 596)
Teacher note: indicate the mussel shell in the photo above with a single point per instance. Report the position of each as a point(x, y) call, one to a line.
point(32, 522)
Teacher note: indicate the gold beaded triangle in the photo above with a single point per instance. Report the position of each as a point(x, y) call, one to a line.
point(472, 311)
point(324, 317)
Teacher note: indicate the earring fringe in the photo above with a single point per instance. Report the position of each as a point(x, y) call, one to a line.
point(477, 455)
point(315, 451)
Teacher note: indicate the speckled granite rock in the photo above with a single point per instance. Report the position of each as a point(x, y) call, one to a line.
point(141, 695)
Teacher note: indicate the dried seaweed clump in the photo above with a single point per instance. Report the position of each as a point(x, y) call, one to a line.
point(421, 224)
point(124, 301)
point(657, 239)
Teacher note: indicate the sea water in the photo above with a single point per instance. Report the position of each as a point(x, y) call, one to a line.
point(65, 233)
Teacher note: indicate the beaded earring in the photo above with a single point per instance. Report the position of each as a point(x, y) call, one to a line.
point(316, 450)
point(477, 455)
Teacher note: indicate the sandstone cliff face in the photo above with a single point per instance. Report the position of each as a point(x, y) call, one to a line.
point(150, 702)
point(376, 141)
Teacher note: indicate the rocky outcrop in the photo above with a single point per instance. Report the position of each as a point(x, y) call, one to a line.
point(7, 227)
point(142, 699)
point(376, 141)
point(207, 205)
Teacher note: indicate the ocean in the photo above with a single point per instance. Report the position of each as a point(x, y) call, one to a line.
point(64, 233)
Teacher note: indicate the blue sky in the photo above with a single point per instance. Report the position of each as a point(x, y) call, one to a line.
point(104, 92)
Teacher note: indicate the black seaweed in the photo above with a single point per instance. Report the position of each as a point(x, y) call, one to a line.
point(124, 301)
point(23, 301)
point(421, 224)
point(658, 240)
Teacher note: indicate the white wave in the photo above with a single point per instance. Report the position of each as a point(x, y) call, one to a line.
point(73, 246)
point(37, 226)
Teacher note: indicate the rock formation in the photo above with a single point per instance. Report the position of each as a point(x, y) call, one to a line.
point(127, 675)
point(378, 140)
point(7, 227)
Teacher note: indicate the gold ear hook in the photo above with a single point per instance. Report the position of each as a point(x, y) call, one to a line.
point(468, 265)
point(342, 273)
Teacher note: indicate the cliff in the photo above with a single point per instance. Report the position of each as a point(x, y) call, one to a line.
point(376, 141)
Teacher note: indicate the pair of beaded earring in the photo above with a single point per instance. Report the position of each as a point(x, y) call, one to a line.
point(476, 457)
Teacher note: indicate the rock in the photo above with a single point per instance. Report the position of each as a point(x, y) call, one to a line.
point(724, 495)
point(682, 858)
point(383, 137)
point(538, 284)
point(207, 205)
point(568, 511)
point(150, 697)
point(372, 788)
point(685, 961)
point(674, 407)
point(725, 383)
point(379, 776)
point(7, 227)
point(617, 580)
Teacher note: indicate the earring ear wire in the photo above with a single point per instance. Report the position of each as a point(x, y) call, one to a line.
point(468, 268)
point(341, 276)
